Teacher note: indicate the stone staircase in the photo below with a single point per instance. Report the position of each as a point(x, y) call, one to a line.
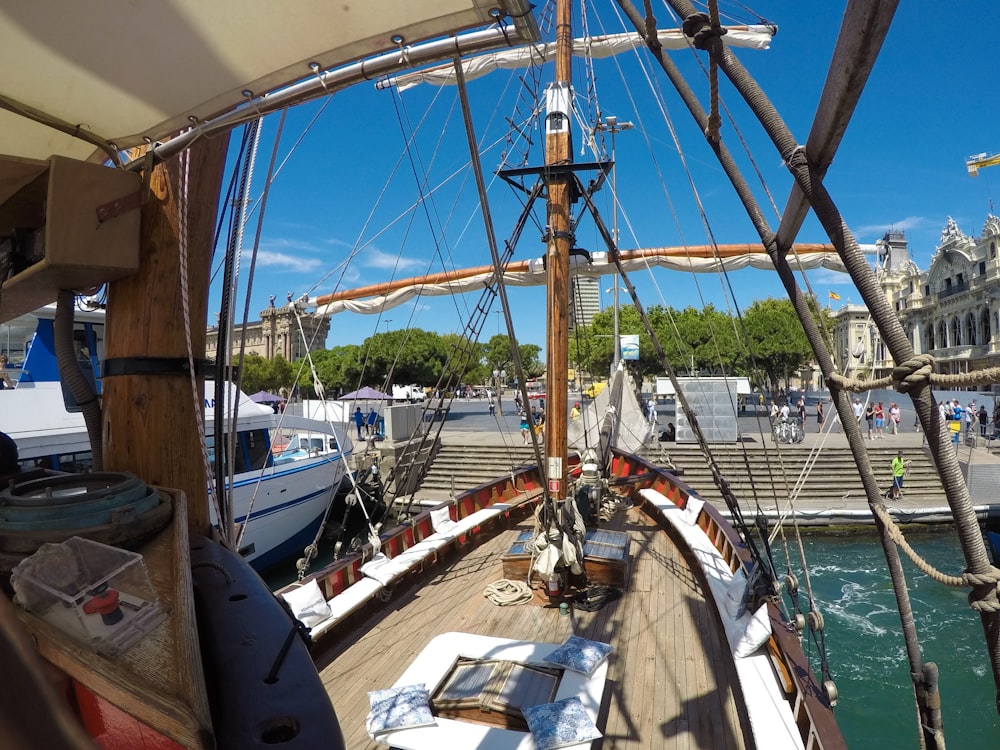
point(460, 467)
point(834, 475)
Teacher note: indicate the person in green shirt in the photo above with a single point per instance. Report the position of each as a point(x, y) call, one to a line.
point(898, 470)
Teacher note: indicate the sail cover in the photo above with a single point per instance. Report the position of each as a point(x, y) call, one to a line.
point(701, 259)
point(754, 37)
point(127, 72)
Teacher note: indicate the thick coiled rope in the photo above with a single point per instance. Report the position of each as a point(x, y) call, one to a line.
point(507, 593)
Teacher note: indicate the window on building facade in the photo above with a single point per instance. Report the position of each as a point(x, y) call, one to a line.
point(985, 321)
point(970, 330)
point(993, 249)
point(982, 268)
point(927, 290)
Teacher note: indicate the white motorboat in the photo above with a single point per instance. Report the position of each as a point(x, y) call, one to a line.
point(286, 471)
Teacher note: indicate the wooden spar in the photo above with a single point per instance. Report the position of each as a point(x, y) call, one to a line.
point(150, 422)
point(521, 266)
point(558, 152)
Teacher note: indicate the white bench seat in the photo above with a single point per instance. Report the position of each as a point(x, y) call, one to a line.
point(770, 714)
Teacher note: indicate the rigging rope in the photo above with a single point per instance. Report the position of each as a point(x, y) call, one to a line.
point(967, 579)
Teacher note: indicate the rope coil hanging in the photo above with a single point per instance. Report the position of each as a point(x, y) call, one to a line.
point(989, 602)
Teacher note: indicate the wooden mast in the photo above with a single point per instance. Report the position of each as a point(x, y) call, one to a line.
point(150, 423)
point(558, 154)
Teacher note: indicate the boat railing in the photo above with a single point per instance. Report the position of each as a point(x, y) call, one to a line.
point(811, 711)
point(521, 485)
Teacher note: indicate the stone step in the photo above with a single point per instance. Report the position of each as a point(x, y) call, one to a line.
point(834, 473)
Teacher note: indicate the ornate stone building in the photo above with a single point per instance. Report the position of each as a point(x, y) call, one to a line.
point(277, 332)
point(951, 310)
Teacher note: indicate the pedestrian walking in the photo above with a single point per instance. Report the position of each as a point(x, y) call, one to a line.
point(525, 427)
point(870, 418)
point(819, 415)
point(894, 419)
point(984, 419)
point(493, 406)
point(898, 471)
point(859, 410)
point(359, 421)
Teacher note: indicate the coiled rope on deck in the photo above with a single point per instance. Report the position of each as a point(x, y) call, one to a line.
point(507, 593)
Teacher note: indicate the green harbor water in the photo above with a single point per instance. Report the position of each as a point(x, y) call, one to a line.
point(866, 650)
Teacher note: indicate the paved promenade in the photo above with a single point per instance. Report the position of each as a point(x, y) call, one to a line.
point(470, 424)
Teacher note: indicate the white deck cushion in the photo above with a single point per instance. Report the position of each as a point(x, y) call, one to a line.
point(770, 715)
point(398, 708)
point(580, 655)
point(758, 630)
point(441, 520)
point(560, 724)
point(307, 603)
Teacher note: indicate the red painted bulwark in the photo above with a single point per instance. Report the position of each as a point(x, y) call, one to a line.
point(113, 729)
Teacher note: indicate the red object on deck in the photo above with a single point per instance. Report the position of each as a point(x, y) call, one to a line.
point(102, 604)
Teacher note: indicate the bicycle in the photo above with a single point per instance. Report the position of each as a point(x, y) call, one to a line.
point(789, 431)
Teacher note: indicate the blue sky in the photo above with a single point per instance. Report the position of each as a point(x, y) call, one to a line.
point(341, 212)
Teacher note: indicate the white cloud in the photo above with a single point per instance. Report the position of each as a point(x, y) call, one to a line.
point(909, 224)
point(286, 262)
point(375, 258)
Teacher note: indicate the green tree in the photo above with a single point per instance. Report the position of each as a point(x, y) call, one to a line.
point(776, 339)
point(497, 356)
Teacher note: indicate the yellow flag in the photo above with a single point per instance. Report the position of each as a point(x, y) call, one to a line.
point(834, 295)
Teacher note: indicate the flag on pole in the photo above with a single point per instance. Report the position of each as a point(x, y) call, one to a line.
point(834, 295)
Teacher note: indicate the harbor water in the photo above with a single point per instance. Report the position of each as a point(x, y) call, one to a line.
point(865, 644)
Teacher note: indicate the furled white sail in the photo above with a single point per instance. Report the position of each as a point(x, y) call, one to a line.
point(628, 428)
point(753, 37)
point(374, 300)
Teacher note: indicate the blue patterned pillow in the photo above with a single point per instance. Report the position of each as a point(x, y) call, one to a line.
point(559, 724)
point(580, 655)
point(398, 708)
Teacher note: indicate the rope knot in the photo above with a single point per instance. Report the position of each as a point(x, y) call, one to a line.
point(797, 158)
point(913, 373)
point(837, 382)
point(989, 599)
point(700, 29)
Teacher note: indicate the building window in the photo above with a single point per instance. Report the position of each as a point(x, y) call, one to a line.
point(993, 249)
point(985, 321)
point(927, 290)
point(982, 268)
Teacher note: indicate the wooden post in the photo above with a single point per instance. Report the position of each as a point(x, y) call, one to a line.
point(151, 421)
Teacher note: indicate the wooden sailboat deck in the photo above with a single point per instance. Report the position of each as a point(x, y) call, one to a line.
point(671, 678)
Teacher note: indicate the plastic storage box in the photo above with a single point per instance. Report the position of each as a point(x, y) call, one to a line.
point(99, 595)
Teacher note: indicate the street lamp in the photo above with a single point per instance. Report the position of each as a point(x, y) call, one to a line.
point(611, 125)
point(498, 312)
point(387, 321)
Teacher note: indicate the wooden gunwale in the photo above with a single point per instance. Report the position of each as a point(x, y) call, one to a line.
point(339, 575)
point(814, 715)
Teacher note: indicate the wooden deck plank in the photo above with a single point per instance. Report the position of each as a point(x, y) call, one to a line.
point(659, 695)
